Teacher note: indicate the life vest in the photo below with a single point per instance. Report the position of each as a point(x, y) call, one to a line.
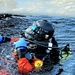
point(24, 66)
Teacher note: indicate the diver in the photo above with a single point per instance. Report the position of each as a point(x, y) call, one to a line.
point(42, 32)
point(67, 49)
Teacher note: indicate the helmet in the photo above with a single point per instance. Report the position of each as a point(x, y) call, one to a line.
point(40, 30)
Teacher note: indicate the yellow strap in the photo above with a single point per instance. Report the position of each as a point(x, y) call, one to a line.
point(38, 64)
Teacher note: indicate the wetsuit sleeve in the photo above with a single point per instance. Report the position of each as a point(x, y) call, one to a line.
point(4, 39)
point(1, 38)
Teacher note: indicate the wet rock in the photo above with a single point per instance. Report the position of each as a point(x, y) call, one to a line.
point(2, 16)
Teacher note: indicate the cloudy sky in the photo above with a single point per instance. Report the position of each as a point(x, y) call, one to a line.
point(39, 7)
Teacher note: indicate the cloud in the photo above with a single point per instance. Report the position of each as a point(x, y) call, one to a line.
point(62, 2)
point(63, 7)
point(7, 5)
point(54, 7)
point(39, 7)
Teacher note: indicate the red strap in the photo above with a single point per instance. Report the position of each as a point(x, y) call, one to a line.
point(14, 39)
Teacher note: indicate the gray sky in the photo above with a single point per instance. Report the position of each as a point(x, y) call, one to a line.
point(39, 7)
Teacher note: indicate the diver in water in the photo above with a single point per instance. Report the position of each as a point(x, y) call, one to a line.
point(42, 32)
point(35, 44)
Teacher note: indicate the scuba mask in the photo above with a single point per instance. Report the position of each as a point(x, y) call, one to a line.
point(40, 30)
point(39, 33)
